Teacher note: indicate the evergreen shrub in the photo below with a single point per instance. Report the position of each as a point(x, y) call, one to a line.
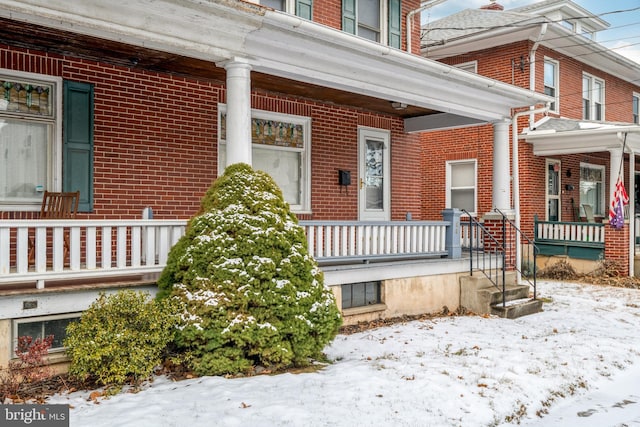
point(249, 290)
point(121, 336)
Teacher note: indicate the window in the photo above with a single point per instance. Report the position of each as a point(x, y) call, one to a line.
point(591, 188)
point(551, 82)
point(592, 98)
point(302, 8)
point(281, 147)
point(376, 20)
point(360, 294)
point(635, 107)
point(30, 139)
point(42, 327)
point(461, 185)
point(471, 66)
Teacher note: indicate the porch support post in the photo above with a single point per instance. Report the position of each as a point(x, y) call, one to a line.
point(238, 111)
point(452, 237)
point(501, 197)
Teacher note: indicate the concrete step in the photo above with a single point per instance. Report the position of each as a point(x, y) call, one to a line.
point(512, 292)
point(517, 308)
point(480, 281)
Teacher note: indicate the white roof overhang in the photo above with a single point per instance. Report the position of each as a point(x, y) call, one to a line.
point(287, 46)
point(555, 143)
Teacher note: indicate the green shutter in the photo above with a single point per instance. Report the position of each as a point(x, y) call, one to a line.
point(304, 9)
point(77, 155)
point(395, 23)
point(349, 16)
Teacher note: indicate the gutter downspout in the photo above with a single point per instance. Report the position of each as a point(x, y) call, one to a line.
point(516, 180)
point(424, 6)
point(532, 66)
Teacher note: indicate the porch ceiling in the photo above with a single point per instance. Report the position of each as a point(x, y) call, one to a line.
point(288, 55)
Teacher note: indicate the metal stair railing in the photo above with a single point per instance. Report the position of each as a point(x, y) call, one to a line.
point(489, 254)
point(512, 233)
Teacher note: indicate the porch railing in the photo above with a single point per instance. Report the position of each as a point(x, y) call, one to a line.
point(334, 241)
point(99, 248)
point(583, 240)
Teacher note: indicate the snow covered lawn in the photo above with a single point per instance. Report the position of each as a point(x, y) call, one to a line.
point(453, 371)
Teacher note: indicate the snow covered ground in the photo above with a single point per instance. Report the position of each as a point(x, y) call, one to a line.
point(579, 360)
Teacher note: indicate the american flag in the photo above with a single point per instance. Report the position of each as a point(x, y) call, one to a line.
point(620, 198)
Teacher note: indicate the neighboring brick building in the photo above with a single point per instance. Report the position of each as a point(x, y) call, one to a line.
point(568, 157)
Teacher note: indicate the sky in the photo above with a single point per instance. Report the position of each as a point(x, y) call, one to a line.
point(623, 35)
point(577, 363)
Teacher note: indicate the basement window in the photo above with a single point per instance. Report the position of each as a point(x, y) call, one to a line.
point(41, 327)
point(361, 294)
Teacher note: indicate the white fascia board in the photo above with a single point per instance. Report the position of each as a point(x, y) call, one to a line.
point(582, 141)
point(204, 30)
point(308, 52)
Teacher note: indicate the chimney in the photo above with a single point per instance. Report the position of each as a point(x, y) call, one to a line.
point(492, 6)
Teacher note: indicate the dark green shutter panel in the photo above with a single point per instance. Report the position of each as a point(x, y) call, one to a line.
point(304, 9)
point(349, 16)
point(77, 131)
point(395, 23)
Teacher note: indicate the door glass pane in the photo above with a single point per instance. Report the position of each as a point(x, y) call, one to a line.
point(374, 175)
point(553, 188)
point(23, 159)
point(553, 209)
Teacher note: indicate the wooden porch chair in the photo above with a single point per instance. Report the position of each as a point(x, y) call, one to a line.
point(57, 206)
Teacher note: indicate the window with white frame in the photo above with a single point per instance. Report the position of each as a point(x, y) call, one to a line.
point(42, 327)
point(471, 66)
point(361, 294)
point(302, 8)
point(635, 108)
point(376, 20)
point(592, 98)
point(592, 188)
point(30, 137)
point(551, 79)
point(462, 185)
point(281, 147)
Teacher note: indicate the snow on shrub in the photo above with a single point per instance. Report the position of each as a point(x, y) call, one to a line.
point(251, 293)
point(120, 336)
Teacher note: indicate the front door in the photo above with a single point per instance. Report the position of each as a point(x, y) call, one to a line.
point(553, 190)
point(374, 173)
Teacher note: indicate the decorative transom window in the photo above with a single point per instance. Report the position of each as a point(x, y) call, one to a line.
point(361, 294)
point(551, 78)
point(30, 137)
point(462, 185)
point(42, 327)
point(635, 108)
point(592, 98)
point(281, 147)
point(592, 188)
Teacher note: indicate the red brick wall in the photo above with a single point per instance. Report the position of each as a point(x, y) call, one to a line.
point(617, 247)
point(156, 141)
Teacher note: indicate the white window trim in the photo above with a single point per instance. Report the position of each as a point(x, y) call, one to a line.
point(546, 188)
point(592, 105)
point(603, 196)
point(556, 79)
point(635, 95)
point(305, 206)
point(54, 154)
point(16, 322)
point(448, 180)
point(471, 66)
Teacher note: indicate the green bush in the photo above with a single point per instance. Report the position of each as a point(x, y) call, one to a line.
point(120, 336)
point(249, 290)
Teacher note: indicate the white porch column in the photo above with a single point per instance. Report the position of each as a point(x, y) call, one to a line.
point(238, 111)
point(501, 197)
point(615, 159)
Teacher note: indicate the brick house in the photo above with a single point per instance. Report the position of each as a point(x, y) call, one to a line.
point(569, 157)
point(141, 106)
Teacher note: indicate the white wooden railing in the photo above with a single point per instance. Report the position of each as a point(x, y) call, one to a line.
point(571, 232)
point(97, 248)
point(347, 240)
